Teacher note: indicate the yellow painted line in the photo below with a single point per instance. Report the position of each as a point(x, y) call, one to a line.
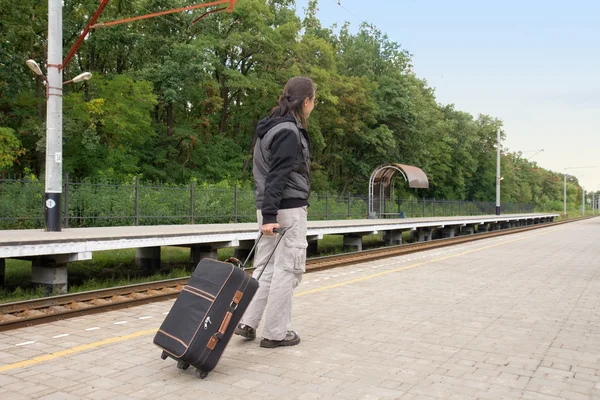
point(118, 339)
point(76, 349)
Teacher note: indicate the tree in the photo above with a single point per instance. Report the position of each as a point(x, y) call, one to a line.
point(10, 148)
point(172, 101)
point(105, 133)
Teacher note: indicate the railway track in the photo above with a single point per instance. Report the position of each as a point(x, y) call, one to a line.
point(38, 311)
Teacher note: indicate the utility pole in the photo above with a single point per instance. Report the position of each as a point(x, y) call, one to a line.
point(54, 91)
point(53, 190)
point(565, 190)
point(498, 176)
point(565, 198)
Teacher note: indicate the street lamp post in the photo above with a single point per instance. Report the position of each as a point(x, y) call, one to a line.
point(565, 198)
point(54, 85)
point(52, 198)
point(498, 178)
point(565, 191)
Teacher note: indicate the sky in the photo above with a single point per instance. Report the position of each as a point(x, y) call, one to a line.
point(533, 64)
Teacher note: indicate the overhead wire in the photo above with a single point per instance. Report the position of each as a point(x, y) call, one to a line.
point(339, 3)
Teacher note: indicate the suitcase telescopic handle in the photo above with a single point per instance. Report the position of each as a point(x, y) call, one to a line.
point(280, 231)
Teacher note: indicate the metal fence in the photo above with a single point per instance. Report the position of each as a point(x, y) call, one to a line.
point(409, 208)
point(89, 203)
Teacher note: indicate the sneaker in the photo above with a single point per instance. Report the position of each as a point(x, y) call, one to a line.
point(245, 331)
point(291, 339)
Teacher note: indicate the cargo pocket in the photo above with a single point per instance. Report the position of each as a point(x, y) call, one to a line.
point(294, 259)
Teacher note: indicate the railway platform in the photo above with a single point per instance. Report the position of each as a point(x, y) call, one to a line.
point(51, 252)
point(510, 317)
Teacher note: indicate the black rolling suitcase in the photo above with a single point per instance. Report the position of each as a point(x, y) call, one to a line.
point(202, 319)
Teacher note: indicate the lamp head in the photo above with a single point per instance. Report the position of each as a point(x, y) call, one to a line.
point(34, 67)
point(86, 76)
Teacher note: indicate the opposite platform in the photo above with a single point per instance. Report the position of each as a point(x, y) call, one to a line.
point(35, 242)
point(512, 317)
point(50, 252)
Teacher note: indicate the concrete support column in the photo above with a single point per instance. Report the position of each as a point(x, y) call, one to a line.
point(482, 228)
point(198, 252)
point(413, 236)
point(313, 245)
point(241, 252)
point(353, 242)
point(2, 271)
point(147, 259)
point(468, 229)
point(449, 232)
point(313, 248)
point(49, 275)
point(424, 234)
point(392, 238)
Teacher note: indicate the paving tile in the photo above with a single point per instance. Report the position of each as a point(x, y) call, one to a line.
point(512, 317)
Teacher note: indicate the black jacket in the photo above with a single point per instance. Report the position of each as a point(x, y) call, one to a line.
point(281, 166)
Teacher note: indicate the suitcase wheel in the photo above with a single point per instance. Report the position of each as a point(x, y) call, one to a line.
point(164, 355)
point(182, 365)
point(201, 374)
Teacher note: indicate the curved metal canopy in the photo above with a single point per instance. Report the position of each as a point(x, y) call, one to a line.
point(384, 175)
point(415, 176)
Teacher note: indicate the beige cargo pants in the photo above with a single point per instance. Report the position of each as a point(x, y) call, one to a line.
point(283, 273)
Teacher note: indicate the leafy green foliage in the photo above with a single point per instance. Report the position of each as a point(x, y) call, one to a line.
point(10, 148)
point(178, 102)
